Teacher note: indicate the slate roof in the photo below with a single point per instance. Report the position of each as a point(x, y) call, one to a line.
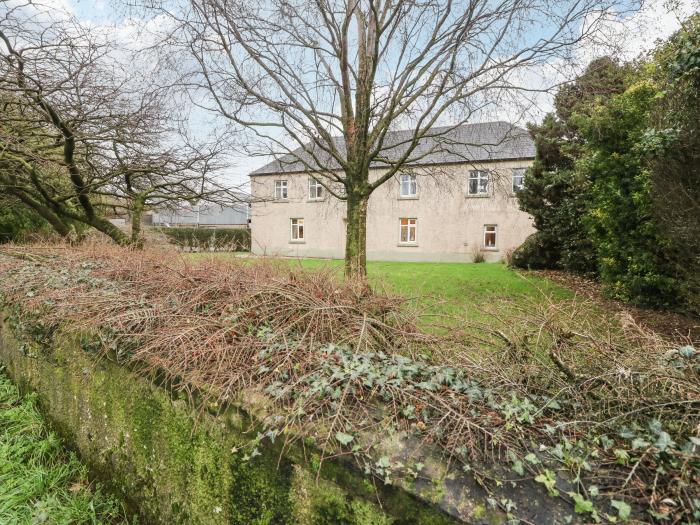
point(480, 142)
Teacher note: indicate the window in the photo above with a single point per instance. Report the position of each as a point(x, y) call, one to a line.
point(409, 185)
point(297, 229)
point(408, 229)
point(478, 182)
point(315, 189)
point(280, 189)
point(490, 236)
point(518, 179)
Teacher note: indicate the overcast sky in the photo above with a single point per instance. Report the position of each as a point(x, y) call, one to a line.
point(634, 35)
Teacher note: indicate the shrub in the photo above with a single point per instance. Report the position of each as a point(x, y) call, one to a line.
point(16, 221)
point(210, 239)
point(477, 255)
point(535, 253)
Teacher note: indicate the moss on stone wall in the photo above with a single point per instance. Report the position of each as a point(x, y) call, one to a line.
point(174, 465)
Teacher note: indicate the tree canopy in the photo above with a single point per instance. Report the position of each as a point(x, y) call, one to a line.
point(614, 188)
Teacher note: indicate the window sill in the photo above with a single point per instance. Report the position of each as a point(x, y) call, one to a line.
point(415, 198)
point(315, 200)
point(280, 201)
point(479, 196)
point(297, 242)
point(407, 244)
point(488, 249)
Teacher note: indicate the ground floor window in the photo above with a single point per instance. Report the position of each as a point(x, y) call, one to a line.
point(297, 229)
point(408, 230)
point(490, 236)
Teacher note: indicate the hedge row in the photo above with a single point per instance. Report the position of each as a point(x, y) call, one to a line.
point(210, 239)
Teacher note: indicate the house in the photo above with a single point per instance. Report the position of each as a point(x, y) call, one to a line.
point(457, 200)
point(206, 215)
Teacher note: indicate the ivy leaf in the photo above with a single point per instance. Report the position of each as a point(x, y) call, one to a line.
point(517, 464)
point(623, 509)
point(518, 467)
point(638, 443)
point(554, 404)
point(343, 438)
point(686, 351)
point(583, 505)
point(549, 480)
point(664, 441)
point(383, 462)
point(622, 456)
point(531, 458)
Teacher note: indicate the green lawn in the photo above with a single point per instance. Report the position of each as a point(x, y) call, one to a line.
point(447, 288)
point(41, 482)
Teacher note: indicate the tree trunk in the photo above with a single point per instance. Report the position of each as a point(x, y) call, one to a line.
point(356, 236)
point(99, 223)
point(136, 214)
point(106, 227)
point(54, 220)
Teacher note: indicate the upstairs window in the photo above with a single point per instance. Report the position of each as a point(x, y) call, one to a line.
point(315, 189)
point(409, 186)
point(490, 236)
point(408, 231)
point(478, 182)
point(280, 189)
point(518, 179)
point(297, 229)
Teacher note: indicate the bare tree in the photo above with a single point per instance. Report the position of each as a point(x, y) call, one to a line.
point(321, 83)
point(58, 104)
point(85, 128)
point(165, 178)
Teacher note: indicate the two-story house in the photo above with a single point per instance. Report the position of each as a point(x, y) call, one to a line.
point(456, 201)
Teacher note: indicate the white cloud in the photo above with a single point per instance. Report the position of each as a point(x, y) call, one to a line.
point(626, 36)
point(630, 36)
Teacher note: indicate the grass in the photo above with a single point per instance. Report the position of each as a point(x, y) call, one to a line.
point(464, 289)
point(41, 482)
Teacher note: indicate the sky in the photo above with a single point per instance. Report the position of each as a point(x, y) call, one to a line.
point(634, 35)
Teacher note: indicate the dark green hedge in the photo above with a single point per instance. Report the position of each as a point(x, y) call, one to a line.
point(210, 239)
point(16, 221)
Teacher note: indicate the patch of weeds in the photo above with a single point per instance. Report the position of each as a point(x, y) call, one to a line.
point(40, 482)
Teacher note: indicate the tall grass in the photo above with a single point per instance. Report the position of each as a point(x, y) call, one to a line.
point(40, 482)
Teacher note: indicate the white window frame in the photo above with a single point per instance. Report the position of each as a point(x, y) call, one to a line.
point(520, 174)
point(294, 225)
point(315, 189)
point(478, 175)
point(495, 236)
point(409, 226)
point(411, 185)
point(281, 190)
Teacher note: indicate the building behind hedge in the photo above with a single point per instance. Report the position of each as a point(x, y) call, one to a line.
point(456, 203)
point(205, 216)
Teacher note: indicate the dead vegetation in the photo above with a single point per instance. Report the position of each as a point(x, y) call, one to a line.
point(597, 408)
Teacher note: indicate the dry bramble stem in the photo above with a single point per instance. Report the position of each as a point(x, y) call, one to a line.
point(551, 390)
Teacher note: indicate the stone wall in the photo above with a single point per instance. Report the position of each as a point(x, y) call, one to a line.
point(172, 464)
